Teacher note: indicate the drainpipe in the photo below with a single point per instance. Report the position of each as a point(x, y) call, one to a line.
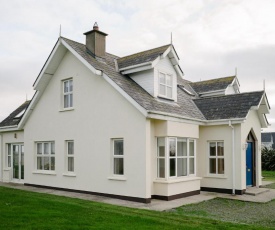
point(233, 157)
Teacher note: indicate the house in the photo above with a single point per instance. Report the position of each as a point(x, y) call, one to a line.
point(132, 127)
point(268, 140)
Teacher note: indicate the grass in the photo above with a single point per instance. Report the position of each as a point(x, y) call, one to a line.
point(269, 175)
point(28, 210)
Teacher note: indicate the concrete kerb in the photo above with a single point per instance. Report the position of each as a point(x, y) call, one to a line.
point(156, 205)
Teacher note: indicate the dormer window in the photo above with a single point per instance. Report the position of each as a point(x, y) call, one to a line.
point(165, 85)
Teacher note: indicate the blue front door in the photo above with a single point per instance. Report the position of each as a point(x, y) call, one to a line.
point(249, 164)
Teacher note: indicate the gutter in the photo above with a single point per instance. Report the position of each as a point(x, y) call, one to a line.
point(233, 156)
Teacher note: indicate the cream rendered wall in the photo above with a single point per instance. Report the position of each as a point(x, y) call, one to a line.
point(14, 137)
point(165, 66)
point(220, 133)
point(253, 124)
point(100, 113)
point(145, 79)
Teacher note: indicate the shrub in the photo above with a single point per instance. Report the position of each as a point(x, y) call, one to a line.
point(268, 159)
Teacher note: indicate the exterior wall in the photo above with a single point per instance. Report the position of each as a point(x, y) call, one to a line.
point(145, 79)
point(100, 113)
point(220, 133)
point(8, 138)
point(165, 66)
point(252, 124)
point(175, 186)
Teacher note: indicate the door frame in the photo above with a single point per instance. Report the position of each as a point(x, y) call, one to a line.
point(19, 180)
point(251, 139)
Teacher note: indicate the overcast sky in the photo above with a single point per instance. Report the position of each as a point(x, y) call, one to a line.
point(211, 37)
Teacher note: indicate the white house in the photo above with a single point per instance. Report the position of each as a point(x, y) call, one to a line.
point(132, 127)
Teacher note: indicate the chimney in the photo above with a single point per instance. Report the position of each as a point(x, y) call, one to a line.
point(95, 41)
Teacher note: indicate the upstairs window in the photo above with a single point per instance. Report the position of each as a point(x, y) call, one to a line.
point(68, 94)
point(165, 85)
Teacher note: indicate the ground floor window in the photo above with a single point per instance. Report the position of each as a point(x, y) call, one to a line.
point(175, 157)
point(8, 163)
point(118, 157)
point(45, 153)
point(70, 156)
point(216, 157)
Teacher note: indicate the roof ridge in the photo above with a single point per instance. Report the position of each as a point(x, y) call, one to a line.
point(143, 52)
point(213, 79)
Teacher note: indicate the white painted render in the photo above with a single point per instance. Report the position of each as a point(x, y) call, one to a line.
point(100, 113)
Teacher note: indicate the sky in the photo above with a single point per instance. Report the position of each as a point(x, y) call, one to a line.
point(211, 37)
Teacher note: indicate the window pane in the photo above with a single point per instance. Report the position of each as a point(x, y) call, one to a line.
point(220, 148)
point(182, 147)
point(169, 92)
point(39, 148)
point(71, 100)
point(161, 146)
point(71, 85)
point(162, 89)
point(9, 161)
point(220, 166)
point(172, 167)
point(191, 148)
point(39, 163)
point(66, 86)
point(70, 148)
point(52, 163)
point(182, 167)
point(212, 148)
point(191, 166)
point(168, 80)
point(70, 164)
point(118, 147)
point(9, 149)
point(172, 147)
point(118, 166)
point(212, 166)
point(46, 163)
point(66, 101)
point(52, 148)
point(161, 78)
point(46, 148)
point(161, 168)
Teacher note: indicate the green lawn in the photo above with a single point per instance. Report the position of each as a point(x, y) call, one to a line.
point(269, 175)
point(29, 210)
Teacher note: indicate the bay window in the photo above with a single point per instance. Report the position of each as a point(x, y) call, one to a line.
point(175, 157)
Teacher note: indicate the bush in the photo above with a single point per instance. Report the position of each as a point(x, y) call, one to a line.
point(268, 159)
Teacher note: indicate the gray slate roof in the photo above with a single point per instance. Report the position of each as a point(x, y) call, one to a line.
point(141, 57)
point(184, 107)
point(212, 85)
point(228, 106)
point(11, 119)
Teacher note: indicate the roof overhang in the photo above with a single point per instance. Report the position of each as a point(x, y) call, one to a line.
point(212, 93)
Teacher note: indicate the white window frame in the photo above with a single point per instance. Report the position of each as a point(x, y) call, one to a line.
point(114, 156)
point(9, 156)
point(167, 158)
point(165, 95)
point(70, 156)
point(216, 157)
point(67, 94)
point(43, 155)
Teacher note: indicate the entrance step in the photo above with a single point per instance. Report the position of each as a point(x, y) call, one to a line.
point(253, 191)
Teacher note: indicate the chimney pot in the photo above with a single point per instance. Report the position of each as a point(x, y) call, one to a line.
point(95, 27)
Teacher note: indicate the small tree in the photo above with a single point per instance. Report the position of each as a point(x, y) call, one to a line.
point(268, 159)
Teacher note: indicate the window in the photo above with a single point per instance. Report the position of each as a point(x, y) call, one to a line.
point(165, 85)
point(70, 156)
point(118, 157)
point(9, 156)
point(68, 93)
point(180, 156)
point(45, 153)
point(216, 157)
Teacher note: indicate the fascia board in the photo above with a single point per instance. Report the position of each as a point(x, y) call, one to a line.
point(125, 95)
point(135, 66)
point(9, 128)
point(46, 65)
point(178, 70)
point(138, 69)
point(88, 65)
point(166, 52)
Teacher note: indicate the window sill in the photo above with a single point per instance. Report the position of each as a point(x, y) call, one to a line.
point(176, 180)
point(68, 174)
point(166, 98)
point(216, 176)
point(7, 169)
point(121, 178)
point(67, 109)
point(44, 172)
